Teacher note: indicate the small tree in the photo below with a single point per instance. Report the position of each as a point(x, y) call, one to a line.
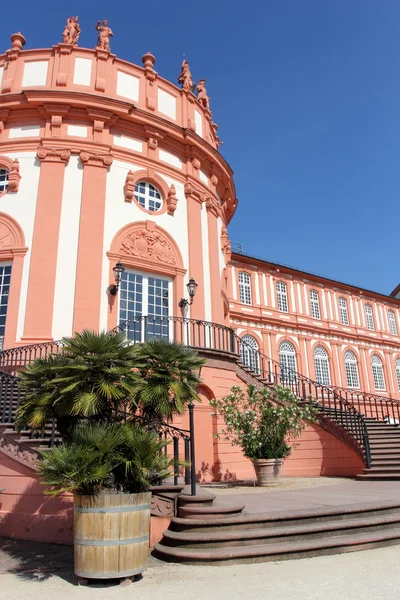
point(262, 421)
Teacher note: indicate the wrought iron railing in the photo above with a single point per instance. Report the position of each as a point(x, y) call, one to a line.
point(326, 399)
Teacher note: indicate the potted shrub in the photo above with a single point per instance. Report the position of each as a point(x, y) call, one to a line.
point(263, 422)
point(108, 399)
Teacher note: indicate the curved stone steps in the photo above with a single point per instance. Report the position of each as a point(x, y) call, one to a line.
point(208, 512)
point(271, 535)
point(281, 551)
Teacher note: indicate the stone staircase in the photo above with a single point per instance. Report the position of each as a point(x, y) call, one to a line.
point(228, 538)
point(384, 442)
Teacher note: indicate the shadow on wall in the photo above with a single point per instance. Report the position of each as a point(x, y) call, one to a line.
point(28, 513)
point(208, 473)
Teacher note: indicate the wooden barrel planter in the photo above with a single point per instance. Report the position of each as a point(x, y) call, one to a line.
point(111, 535)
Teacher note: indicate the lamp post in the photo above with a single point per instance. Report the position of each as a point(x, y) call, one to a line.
point(118, 272)
point(191, 288)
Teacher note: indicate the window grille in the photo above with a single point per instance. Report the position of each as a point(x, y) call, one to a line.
point(392, 322)
point(369, 317)
point(377, 372)
point(245, 288)
point(148, 196)
point(321, 364)
point(249, 353)
point(344, 315)
point(350, 363)
point(3, 180)
point(287, 359)
point(398, 372)
point(281, 294)
point(314, 303)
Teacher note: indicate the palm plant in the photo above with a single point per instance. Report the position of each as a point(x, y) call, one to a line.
point(93, 379)
point(169, 379)
point(122, 457)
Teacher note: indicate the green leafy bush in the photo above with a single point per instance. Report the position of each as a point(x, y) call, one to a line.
point(263, 421)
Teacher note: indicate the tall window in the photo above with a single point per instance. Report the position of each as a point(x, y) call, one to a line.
point(249, 353)
point(321, 364)
point(377, 372)
point(344, 315)
point(369, 317)
point(398, 372)
point(281, 294)
point(144, 295)
point(245, 288)
point(287, 359)
point(5, 278)
point(314, 303)
point(148, 196)
point(350, 364)
point(392, 322)
point(3, 180)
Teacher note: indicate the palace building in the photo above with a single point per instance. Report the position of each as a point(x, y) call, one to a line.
point(115, 203)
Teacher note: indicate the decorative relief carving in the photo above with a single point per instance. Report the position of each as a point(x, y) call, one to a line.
point(13, 449)
point(129, 187)
point(14, 177)
point(172, 200)
point(150, 245)
point(96, 160)
point(162, 506)
point(7, 237)
point(226, 245)
point(53, 154)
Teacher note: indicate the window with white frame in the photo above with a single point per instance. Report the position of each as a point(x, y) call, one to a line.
point(3, 180)
point(392, 322)
point(148, 196)
point(314, 304)
point(287, 359)
point(321, 363)
point(398, 372)
point(351, 368)
point(249, 353)
point(245, 288)
point(281, 294)
point(377, 372)
point(344, 314)
point(5, 279)
point(144, 305)
point(369, 317)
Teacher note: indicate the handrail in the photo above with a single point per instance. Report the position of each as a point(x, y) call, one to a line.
point(328, 400)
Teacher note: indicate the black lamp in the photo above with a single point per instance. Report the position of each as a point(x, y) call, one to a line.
point(118, 272)
point(191, 288)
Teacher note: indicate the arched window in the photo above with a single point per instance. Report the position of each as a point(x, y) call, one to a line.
point(321, 364)
point(350, 364)
point(287, 359)
point(148, 196)
point(3, 180)
point(377, 372)
point(398, 372)
point(344, 315)
point(392, 322)
point(369, 317)
point(314, 304)
point(249, 353)
point(245, 288)
point(281, 295)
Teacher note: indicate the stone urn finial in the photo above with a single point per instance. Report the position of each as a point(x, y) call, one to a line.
point(148, 60)
point(17, 42)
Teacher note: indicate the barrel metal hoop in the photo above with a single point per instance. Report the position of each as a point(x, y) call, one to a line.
point(111, 575)
point(138, 540)
point(111, 509)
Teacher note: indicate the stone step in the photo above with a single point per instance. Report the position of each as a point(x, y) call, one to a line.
point(382, 451)
point(379, 476)
point(272, 552)
point(208, 512)
point(383, 469)
point(273, 535)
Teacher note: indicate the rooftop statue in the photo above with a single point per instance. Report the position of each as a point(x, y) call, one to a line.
point(71, 31)
point(202, 97)
point(103, 41)
point(185, 78)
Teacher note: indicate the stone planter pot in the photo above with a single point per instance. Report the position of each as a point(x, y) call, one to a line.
point(111, 535)
point(267, 470)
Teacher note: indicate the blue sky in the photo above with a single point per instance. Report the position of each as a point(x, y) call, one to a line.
point(307, 97)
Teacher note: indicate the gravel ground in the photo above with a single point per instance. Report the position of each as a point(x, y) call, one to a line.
point(291, 483)
point(368, 575)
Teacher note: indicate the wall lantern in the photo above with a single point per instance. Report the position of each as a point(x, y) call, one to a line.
point(191, 288)
point(118, 272)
